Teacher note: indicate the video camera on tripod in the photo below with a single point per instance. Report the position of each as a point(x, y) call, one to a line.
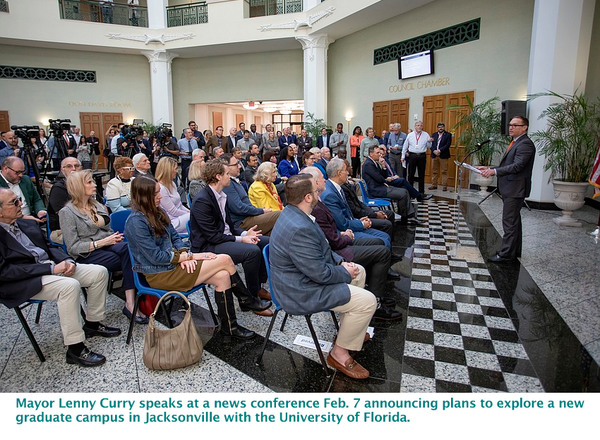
point(34, 156)
point(161, 134)
point(59, 126)
point(133, 136)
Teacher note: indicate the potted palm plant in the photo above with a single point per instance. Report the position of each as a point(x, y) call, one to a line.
point(477, 123)
point(569, 143)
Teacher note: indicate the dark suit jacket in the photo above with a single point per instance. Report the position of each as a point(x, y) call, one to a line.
point(358, 208)
point(339, 209)
point(320, 141)
point(20, 275)
point(375, 177)
point(516, 167)
point(338, 242)
point(304, 144)
point(444, 146)
point(284, 140)
point(207, 223)
point(307, 276)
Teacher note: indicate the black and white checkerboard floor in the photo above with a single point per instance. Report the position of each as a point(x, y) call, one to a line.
point(459, 336)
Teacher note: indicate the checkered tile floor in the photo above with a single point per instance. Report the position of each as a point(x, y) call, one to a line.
point(459, 335)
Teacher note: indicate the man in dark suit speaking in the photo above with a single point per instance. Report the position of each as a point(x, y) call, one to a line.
point(514, 185)
point(310, 278)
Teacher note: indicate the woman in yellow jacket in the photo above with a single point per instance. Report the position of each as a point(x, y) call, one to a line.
point(262, 193)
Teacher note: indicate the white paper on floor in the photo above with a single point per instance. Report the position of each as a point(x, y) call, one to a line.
point(307, 341)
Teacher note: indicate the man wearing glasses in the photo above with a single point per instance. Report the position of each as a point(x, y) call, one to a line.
point(31, 269)
point(59, 196)
point(514, 185)
point(12, 177)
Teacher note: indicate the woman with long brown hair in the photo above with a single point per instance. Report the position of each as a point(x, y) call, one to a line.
point(160, 254)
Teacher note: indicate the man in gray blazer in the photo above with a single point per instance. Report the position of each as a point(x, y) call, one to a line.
point(514, 185)
point(309, 278)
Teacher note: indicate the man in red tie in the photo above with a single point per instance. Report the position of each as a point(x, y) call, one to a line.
point(514, 185)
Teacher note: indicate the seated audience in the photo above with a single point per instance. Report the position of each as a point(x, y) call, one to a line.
point(32, 269)
point(251, 168)
point(118, 189)
point(308, 159)
point(334, 199)
point(161, 256)
point(317, 161)
point(310, 278)
point(262, 193)
point(375, 178)
point(142, 165)
point(166, 171)
point(198, 154)
point(90, 240)
point(12, 177)
point(399, 182)
point(370, 253)
point(212, 230)
point(243, 213)
point(287, 165)
point(197, 183)
point(59, 196)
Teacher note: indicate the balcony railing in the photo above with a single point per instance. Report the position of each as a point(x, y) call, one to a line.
point(261, 8)
point(4, 6)
point(183, 15)
point(103, 12)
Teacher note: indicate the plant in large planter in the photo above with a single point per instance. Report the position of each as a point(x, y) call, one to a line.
point(569, 142)
point(314, 125)
point(478, 123)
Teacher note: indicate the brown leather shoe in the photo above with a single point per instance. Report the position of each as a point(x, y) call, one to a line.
point(266, 312)
point(432, 187)
point(264, 294)
point(351, 368)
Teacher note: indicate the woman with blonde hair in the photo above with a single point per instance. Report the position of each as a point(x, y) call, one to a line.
point(167, 264)
point(118, 189)
point(263, 193)
point(166, 170)
point(196, 179)
point(89, 238)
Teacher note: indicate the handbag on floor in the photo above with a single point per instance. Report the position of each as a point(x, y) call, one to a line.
point(172, 348)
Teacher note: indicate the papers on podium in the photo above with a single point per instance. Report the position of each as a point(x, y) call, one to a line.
point(467, 166)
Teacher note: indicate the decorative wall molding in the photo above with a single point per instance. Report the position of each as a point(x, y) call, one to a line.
point(299, 24)
point(47, 74)
point(447, 37)
point(311, 42)
point(159, 56)
point(146, 39)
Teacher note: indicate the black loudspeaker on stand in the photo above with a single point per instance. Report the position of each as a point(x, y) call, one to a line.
point(510, 109)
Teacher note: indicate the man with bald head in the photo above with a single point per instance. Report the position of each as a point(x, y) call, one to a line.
point(12, 176)
point(32, 269)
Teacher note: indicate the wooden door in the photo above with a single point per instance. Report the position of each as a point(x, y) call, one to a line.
point(238, 119)
point(217, 119)
point(387, 112)
point(258, 123)
point(435, 110)
point(100, 123)
point(4, 121)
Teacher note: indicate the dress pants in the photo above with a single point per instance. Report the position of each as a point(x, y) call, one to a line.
point(512, 240)
point(264, 222)
point(401, 195)
point(66, 292)
point(383, 225)
point(114, 258)
point(250, 256)
point(376, 259)
point(396, 163)
point(185, 167)
point(438, 164)
point(403, 183)
point(417, 162)
point(374, 233)
point(355, 316)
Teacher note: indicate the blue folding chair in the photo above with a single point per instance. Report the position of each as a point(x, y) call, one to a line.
point(143, 288)
point(376, 203)
point(53, 243)
point(118, 220)
point(278, 307)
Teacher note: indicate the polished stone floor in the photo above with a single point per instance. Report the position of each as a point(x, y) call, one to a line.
point(468, 325)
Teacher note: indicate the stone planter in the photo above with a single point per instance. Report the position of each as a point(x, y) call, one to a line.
point(483, 183)
point(569, 196)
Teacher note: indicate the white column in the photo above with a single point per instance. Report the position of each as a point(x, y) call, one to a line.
point(315, 73)
point(162, 85)
point(558, 61)
point(157, 14)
